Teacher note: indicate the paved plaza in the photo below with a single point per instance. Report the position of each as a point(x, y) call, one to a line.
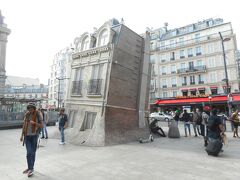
point(165, 158)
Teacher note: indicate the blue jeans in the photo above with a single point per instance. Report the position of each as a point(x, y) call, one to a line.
point(44, 130)
point(31, 146)
point(187, 126)
point(61, 129)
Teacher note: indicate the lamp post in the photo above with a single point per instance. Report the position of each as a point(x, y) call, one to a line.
point(59, 79)
point(226, 74)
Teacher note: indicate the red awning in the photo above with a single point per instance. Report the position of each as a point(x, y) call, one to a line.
point(213, 87)
point(193, 89)
point(195, 100)
point(184, 90)
point(201, 88)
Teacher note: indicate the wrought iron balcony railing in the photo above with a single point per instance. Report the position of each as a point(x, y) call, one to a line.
point(94, 87)
point(77, 88)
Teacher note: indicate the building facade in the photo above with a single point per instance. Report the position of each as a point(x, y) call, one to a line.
point(109, 86)
point(188, 61)
point(4, 32)
point(59, 78)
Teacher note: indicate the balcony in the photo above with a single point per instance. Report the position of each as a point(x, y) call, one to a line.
point(172, 58)
point(164, 73)
point(163, 60)
point(181, 57)
point(184, 84)
point(198, 54)
point(173, 72)
point(194, 69)
point(190, 55)
point(174, 85)
point(94, 87)
point(192, 83)
point(77, 88)
point(164, 86)
point(200, 82)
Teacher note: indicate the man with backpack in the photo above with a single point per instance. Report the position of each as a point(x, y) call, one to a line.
point(186, 118)
point(215, 133)
point(30, 132)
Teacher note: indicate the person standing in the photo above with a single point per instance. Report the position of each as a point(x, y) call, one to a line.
point(30, 131)
point(204, 129)
point(235, 120)
point(62, 120)
point(195, 121)
point(176, 117)
point(186, 118)
point(45, 121)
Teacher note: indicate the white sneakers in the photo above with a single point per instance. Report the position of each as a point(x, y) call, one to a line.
point(61, 143)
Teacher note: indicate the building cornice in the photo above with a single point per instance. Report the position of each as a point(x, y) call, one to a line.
point(91, 51)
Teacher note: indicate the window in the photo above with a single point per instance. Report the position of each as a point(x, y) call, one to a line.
point(162, 44)
point(172, 56)
point(72, 118)
point(211, 62)
point(181, 41)
point(89, 120)
point(200, 79)
point(173, 69)
point(174, 93)
point(172, 43)
point(85, 43)
point(174, 82)
point(210, 48)
point(198, 51)
point(103, 38)
point(95, 83)
point(77, 83)
point(163, 57)
point(197, 37)
point(192, 80)
point(212, 77)
point(164, 83)
point(182, 65)
point(184, 81)
point(191, 65)
point(199, 63)
point(165, 94)
point(164, 70)
point(190, 52)
point(182, 54)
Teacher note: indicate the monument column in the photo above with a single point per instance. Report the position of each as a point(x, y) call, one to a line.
point(4, 32)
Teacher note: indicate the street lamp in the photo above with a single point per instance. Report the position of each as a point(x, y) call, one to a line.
point(225, 68)
point(59, 79)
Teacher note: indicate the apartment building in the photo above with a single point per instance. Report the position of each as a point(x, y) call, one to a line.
point(59, 77)
point(109, 83)
point(188, 61)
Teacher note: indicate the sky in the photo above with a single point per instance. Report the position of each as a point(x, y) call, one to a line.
point(41, 28)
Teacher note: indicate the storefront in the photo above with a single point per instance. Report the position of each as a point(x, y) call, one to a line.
point(215, 101)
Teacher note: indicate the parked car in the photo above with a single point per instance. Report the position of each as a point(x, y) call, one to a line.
point(160, 116)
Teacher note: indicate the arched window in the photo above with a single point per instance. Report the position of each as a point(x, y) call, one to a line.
point(85, 43)
point(103, 38)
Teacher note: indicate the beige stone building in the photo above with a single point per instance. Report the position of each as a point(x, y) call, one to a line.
point(109, 82)
point(188, 61)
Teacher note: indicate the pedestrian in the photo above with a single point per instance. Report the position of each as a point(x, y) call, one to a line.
point(45, 121)
point(235, 121)
point(215, 134)
point(186, 118)
point(204, 129)
point(195, 123)
point(30, 132)
point(176, 117)
point(215, 127)
point(62, 120)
